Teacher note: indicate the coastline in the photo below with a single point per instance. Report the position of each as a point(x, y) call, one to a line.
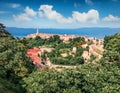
point(89, 32)
point(64, 37)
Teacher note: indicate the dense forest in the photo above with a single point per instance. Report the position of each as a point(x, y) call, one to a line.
point(19, 75)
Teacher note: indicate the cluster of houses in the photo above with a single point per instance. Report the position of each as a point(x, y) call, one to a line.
point(34, 52)
point(64, 37)
point(35, 55)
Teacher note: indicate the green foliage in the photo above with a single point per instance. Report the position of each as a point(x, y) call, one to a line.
point(77, 42)
point(86, 49)
point(63, 45)
point(13, 54)
point(92, 58)
point(67, 60)
point(56, 58)
point(74, 59)
point(101, 79)
point(79, 52)
point(38, 41)
point(87, 78)
point(53, 82)
point(61, 61)
point(14, 64)
point(112, 49)
point(4, 32)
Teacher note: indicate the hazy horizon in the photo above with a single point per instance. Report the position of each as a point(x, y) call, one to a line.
point(90, 32)
point(64, 28)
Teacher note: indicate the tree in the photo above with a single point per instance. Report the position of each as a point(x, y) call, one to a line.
point(112, 49)
point(4, 32)
point(53, 82)
point(2, 26)
point(14, 64)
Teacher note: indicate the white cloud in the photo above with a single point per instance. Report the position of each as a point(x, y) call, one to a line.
point(111, 18)
point(29, 11)
point(47, 12)
point(21, 17)
point(91, 16)
point(89, 2)
point(14, 5)
point(26, 16)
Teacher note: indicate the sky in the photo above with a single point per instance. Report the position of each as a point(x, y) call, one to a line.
point(60, 13)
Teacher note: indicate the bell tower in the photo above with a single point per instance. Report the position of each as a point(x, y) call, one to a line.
point(37, 32)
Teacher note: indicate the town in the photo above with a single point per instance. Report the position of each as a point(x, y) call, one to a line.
point(95, 49)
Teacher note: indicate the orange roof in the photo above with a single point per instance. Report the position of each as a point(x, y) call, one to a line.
point(33, 54)
point(35, 50)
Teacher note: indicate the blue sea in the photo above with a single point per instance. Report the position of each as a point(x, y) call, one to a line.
point(90, 32)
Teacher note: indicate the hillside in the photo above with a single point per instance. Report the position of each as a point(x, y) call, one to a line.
point(18, 74)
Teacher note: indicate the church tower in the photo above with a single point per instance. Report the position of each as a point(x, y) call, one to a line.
point(37, 31)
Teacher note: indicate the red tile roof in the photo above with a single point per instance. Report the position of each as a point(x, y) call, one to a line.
point(33, 54)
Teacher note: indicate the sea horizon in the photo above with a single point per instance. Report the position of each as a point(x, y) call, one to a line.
point(97, 32)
